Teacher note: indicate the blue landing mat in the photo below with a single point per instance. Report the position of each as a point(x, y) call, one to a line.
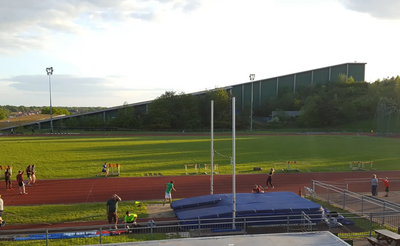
point(247, 205)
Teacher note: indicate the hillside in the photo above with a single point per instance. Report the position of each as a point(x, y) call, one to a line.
point(23, 120)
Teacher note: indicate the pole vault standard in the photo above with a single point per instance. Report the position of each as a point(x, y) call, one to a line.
point(233, 164)
point(212, 147)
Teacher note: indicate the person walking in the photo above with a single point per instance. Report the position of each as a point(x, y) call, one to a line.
point(7, 178)
point(33, 174)
point(269, 180)
point(21, 184)
point(104, 170)
point(29, 174)
point(386, 182)
point(374, 183)
point(2, 222)
point(112, 210)
point(170, 187)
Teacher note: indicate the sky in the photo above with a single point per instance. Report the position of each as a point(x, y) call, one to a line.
point(107, 53)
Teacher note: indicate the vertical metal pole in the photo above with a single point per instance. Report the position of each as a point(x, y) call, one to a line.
point(47, 237)
point(101, 232)
point(251, 108)
point(383, 214)
point(212, 148)
point(362, 205)
point(233, 164)
point(344, 198)
point(51, 108)
point(287, 224)
point(199, 223)
point(370, 224)
point(328, 195)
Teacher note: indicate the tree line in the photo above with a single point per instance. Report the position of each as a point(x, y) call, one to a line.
point(321, 105)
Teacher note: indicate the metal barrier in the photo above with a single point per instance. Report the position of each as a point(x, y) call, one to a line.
point(365, 225)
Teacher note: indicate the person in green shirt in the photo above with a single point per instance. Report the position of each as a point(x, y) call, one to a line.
point(130, 219)
point(170, 187)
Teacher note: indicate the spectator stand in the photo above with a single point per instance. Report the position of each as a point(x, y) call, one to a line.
point(114, 169)
point(208, 166)
point(360, 165)
point(3, 169)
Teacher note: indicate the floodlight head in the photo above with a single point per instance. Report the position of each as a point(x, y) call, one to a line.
point(49, 70)
point(252, 76)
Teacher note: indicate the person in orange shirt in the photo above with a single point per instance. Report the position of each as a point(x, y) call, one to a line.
point(386, 182)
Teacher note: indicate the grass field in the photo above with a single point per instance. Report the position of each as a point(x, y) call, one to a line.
point(82, 156)
point(61, 213)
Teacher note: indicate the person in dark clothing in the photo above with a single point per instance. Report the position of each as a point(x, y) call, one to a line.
point(269, 180)
point(112, 210)
point(7, 178)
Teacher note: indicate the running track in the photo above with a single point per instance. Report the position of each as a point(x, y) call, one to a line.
point(63, 191)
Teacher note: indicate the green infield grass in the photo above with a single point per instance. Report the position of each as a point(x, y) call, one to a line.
point(83, 156)
point(61, 213)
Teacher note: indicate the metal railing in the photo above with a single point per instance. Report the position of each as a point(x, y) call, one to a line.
point(363, 225)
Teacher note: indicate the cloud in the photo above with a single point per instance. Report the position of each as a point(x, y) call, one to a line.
point(382, 9)
point(69, 84)
point(25, 24)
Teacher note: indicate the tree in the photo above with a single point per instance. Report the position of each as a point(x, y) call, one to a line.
point(3, 114)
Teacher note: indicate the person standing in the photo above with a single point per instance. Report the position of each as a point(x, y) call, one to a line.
point(104, 170)
point(7, 178)
point(2, 222)
point(374, 183)
point(21, 184)
point(386, 182)
point(29, 174)
point(269, 180)
point(33, 174)
point(170, 187)
point(112, 210)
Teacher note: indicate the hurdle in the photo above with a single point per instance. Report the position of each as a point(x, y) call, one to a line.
point(206, 166)
point(191, 165)
point(360, 165)
point(112, 166)
point(292, 166)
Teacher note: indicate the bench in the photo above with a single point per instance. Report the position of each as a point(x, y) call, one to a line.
point(388, 236)
point(373, 241)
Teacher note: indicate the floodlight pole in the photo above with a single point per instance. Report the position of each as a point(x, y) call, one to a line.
point(233, 165)
point(212, 147)
point(252, 76)
point(49, 71)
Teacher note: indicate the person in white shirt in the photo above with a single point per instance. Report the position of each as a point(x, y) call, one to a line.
point(2, 222)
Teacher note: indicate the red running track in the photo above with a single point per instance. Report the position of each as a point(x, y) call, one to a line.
point(63, 191)
point(152, 188)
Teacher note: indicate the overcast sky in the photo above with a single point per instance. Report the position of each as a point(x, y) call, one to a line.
point(107, 52)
